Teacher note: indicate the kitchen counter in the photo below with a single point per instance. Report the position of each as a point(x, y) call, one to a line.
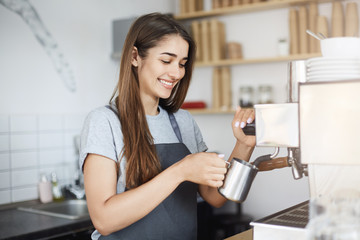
point(16, 224)
point(246, 235)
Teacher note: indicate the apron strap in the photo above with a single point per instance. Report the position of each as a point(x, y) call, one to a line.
point(173, 122)
point(175, 126)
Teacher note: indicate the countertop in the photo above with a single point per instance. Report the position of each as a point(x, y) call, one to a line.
point(246, 235)
point(16, 224)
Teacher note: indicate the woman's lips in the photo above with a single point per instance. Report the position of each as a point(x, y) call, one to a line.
point(167, 84)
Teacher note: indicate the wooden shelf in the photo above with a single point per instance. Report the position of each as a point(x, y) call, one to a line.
point(229, 62)
point(210, 111)
point(252, 7)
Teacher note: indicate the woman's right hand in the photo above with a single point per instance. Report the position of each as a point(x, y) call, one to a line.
point(204, 168)
point(241, 118)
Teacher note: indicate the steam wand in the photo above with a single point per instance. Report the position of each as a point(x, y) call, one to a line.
point(298, 169)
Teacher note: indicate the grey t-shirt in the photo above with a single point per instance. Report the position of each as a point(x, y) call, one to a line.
point(101, 134)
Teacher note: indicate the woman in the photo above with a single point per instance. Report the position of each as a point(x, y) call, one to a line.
point(143, 157)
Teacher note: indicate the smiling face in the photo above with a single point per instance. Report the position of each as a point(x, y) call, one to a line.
point(162, 69)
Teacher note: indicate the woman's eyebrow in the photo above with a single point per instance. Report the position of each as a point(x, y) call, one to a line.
point(172, 55)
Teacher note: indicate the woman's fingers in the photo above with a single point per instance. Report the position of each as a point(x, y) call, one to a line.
point(246, 116)
point(211, 169)
point(219, 177)
point(249, 115)
point(215, 184)
point(243, 117)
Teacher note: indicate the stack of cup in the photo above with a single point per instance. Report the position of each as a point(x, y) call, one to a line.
point(234, 50)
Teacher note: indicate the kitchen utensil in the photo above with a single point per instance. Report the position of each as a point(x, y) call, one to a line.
point(222, 41)
point(195, 30)
point(303, 25)
point(216, 4)
point(322, 26)
point(216, 88)
point(233, 50)
point(192, 5)
point(236, 2)
point(226, 3)
point(313, 14)
point(311, 33)
point(246, 96)
point(265, 94)
point(337, 20)
point(226, 88)
point(352, 20)
point(322, 35)
point(283, 47)
point(199, 4)
point(205, 40)
point(332, 69)
point(344, 47)
point(239, 178)
point(183, 7)
point(294, 35)
point(215, 40)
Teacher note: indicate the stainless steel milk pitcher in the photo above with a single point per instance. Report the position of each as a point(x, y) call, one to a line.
point(239, 178)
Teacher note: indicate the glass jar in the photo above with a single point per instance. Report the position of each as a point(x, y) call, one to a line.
point(265, 94)
point(246, 96)
point(334, 219)
point(283, 47)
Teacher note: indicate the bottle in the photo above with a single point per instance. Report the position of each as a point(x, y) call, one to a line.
point(283, 47)
point(45, 192)
point(246, 96)
point(265, 94)
point(56, 190)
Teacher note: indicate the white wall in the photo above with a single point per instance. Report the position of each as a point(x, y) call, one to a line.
point(39, 116)
point(83, 30)
point(30, 88)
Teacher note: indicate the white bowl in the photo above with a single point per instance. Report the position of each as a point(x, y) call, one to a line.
point(341, 47)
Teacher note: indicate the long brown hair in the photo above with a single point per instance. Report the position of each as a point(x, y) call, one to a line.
point(139, 150)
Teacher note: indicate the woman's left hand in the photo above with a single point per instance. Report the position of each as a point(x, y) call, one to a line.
point(241, 118)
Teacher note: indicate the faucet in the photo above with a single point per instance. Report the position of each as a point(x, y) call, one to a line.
point(76, 189)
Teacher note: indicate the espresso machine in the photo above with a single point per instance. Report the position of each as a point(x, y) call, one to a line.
point(320, 127)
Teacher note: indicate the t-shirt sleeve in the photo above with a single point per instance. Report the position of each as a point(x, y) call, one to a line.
point(201, 145)
point(97, 137)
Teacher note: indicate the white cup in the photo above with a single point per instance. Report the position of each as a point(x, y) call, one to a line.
point(341, 47)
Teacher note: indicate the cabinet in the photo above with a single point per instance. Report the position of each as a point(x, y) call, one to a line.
point(240, 9)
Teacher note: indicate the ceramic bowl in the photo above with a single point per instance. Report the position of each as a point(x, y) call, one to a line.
point(341, 47)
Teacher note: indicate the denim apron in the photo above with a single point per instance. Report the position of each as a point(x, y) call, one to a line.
point(176, 217)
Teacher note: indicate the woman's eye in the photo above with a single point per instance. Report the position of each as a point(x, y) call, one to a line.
point(182, 65)
point(167, 62)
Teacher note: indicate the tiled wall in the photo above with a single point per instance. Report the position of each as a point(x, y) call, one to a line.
point(34, 144)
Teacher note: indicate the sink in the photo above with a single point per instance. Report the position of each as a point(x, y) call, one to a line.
point(69, 209)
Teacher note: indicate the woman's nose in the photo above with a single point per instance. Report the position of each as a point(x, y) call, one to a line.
point(175, 72)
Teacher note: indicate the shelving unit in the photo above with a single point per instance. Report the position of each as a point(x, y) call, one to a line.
point(230, 62)
point(246, 8)
point(252, 7)
point(210, 111)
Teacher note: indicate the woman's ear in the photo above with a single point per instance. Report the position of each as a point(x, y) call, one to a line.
point(134, 57)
